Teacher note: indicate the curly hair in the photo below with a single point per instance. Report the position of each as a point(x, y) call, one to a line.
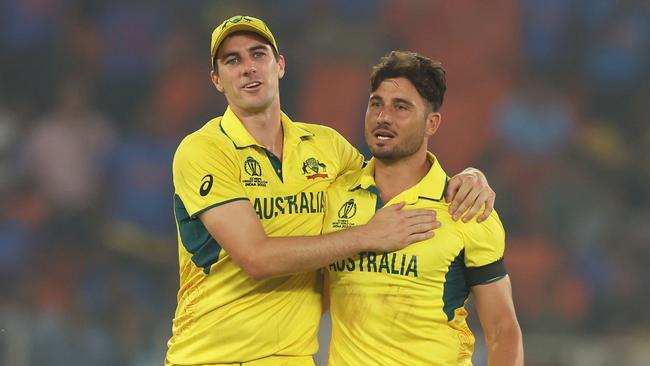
point(426, 75)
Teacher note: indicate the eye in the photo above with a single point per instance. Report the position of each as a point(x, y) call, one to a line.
point(259, 54)
point(374, 104)
point(231, 60)
point(401, 107)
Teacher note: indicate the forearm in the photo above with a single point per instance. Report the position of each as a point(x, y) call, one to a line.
point(499, 321)
point(505, 347)
point(261, 256)
point(390, 229)
point(285, 255)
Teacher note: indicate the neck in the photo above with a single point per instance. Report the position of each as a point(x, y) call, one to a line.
point(394, 177)
point(265, 126)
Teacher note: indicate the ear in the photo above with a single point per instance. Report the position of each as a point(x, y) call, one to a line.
point(215, 80)
point(281, 64)
point(432, 124)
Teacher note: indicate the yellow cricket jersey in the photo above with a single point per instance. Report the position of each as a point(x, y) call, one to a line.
point(223, 316)
point(407, 307)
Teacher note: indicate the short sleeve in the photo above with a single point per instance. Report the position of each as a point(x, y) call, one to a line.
point(205, 175)
point(351, 159)
point(484, 247)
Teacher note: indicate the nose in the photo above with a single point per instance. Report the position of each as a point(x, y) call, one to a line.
point(249, 67)
point(383, 116)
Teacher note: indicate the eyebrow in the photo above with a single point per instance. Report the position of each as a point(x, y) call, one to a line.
point(228, 54)
point(405, 101)
point(250, 49)
point(394, 100)
point(258, 47)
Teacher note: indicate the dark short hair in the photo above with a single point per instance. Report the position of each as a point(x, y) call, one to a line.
point(426, 75)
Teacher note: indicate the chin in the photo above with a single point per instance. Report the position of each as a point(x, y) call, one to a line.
point(382, 153)
point(256, 104)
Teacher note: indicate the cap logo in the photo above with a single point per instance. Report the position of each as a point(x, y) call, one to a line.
point(236, 19)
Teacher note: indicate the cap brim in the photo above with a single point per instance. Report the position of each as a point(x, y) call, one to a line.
point(242, 27)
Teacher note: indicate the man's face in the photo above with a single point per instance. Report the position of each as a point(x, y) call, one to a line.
point(248, 73)
point(398, 120)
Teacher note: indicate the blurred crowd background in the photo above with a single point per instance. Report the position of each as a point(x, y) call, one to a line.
point(550, 98)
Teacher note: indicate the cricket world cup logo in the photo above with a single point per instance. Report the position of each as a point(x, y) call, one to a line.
point(348, 210)
point(252, 167)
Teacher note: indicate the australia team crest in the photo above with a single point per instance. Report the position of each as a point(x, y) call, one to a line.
point(313, 169)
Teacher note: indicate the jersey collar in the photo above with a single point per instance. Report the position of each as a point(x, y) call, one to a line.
point(237, 132)
point(432, 186)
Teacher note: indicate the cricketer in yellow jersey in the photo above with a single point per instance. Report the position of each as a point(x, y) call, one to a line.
point(406, 307)
point(249, 204)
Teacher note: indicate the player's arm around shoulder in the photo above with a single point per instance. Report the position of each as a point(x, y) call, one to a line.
point(208, 184)
point(492, 291)
point(236, 227)
point(469, 192)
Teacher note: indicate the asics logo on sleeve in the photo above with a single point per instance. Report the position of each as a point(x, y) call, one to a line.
point(206, 185)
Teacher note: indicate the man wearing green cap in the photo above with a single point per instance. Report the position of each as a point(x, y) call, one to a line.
point(249, 203)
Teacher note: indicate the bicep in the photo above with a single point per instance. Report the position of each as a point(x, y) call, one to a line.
point(236, 227)
point(350, 158)
point(494, 303)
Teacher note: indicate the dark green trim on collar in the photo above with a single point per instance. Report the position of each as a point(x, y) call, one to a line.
point(225, 134)
point(429, 199)
point(276, 162)
point(442, 197)
point(378, 203)
point(444, 189)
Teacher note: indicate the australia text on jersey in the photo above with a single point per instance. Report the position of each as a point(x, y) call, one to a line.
point(390, 263)
point(302, 203)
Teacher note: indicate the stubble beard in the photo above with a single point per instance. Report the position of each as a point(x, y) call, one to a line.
point(391, 155)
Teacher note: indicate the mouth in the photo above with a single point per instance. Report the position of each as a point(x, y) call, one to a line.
point(252, 85)
point(384, 134)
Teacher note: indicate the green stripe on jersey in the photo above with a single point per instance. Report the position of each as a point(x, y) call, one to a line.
point(455, 291)
point(195, 238)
